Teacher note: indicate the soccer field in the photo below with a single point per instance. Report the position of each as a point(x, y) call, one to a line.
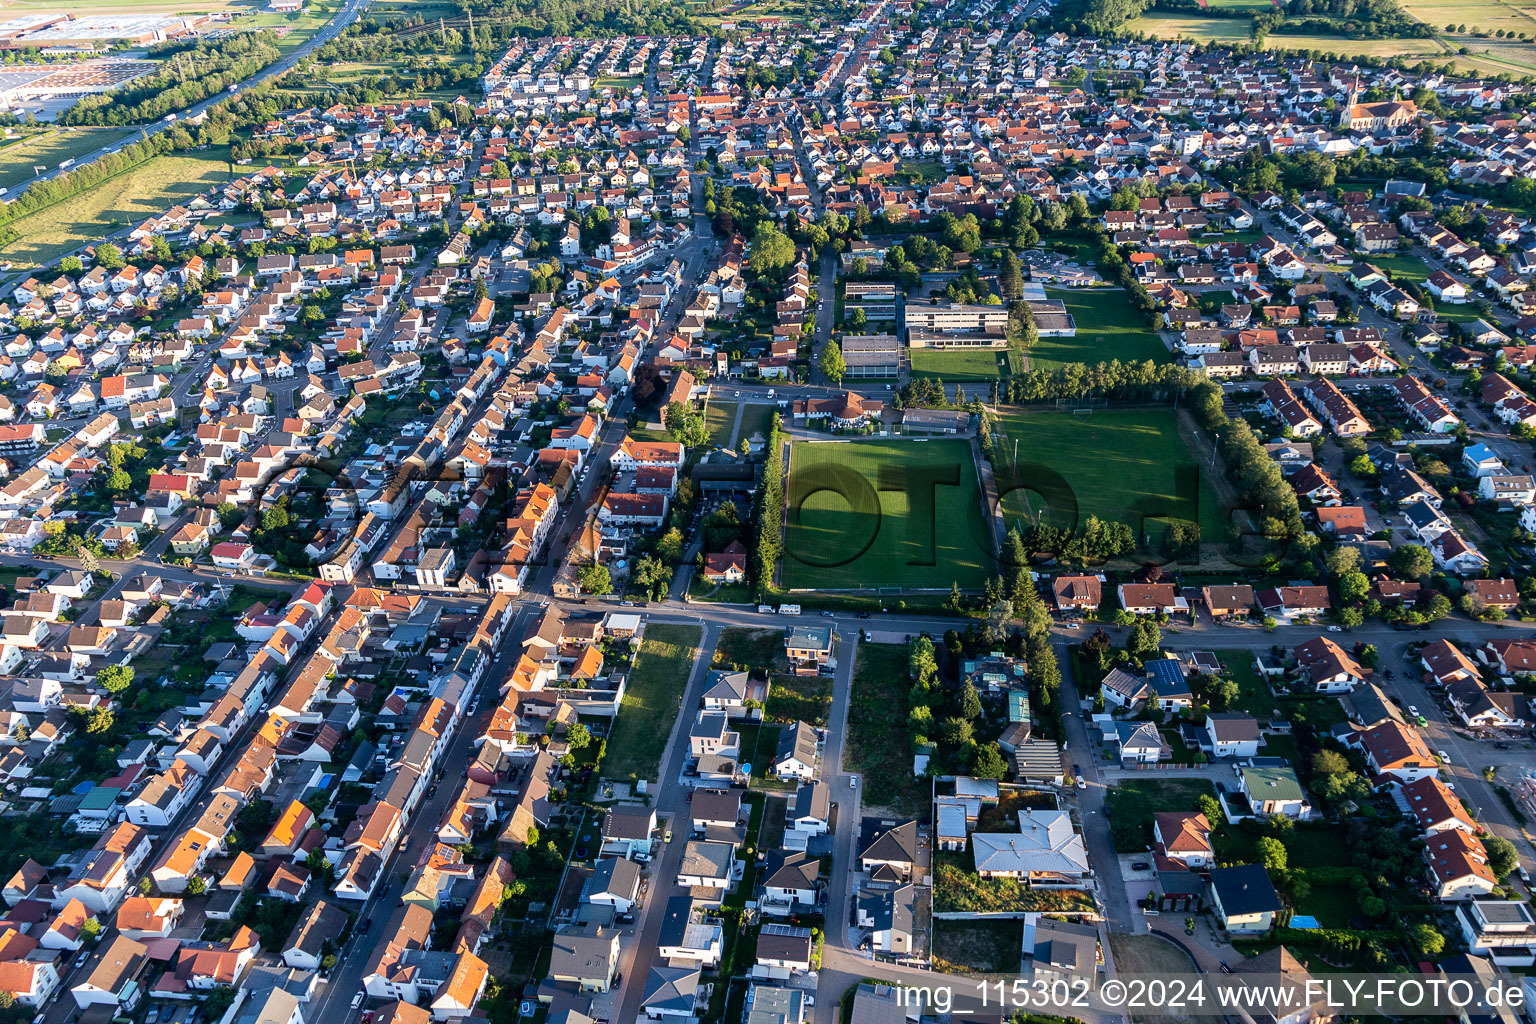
point(884, 514)
point(1108, 327)
point(961, 364)
point(1116, 465)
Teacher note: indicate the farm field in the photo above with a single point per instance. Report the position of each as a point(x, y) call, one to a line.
point(49, 148)
point(299, 27)
point(1114, 463)
point(1107, 328)
point(960, 364)
point(132, 195)
point(879, 535)
point(656, 684)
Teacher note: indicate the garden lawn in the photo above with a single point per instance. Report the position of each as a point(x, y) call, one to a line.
point(1108, 327)
point(1132, 803)
point(755, 420)
point(761, 649)
point(1117, 465)
point(146, 190)
point(961, 364)
point(867, 514)
point(646, 717)
point(1253, 693)
point(720, 419)
point(879, 746)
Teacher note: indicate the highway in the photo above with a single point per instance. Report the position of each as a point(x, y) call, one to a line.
point(350, 11)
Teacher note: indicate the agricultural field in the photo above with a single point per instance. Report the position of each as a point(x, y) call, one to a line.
point(131, 196)
point(856, 522)
point(1114, 463)
point(19, 156)
point(960, 364)
point(1107, 328)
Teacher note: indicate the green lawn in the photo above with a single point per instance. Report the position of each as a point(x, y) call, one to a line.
point(799, 699)
point(755, 420)
point(960, 364)
point(650, 703)
point(1116, 465)
point(866, 514)
point(720, 418)
point(1254, 694)
point(19, 157)
point(129, 197)
point(1400, 266)
point(1108, 327)
point(879, 746)
point(1132, 803)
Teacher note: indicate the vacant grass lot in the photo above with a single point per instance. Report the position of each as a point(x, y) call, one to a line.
point(1107, 328)
point(50, 148)
point(865, 514)
point(761, 649)
point(650, 703)
point(129, 197)
point(1116, 465)
point(1131, 804)
point(961, 364)
point(799, 699)
point(977, 947)
point(879, 746)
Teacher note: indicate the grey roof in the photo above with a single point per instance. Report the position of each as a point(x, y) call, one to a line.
point(716, 805)
point(627, 821)
point(791, 870)
point(673, 988)
point(1244, 889)
point(784, 942)
point(796, 741)
point(812, 800)
point(615, 876)
point(707, 859)
point(898, 845)
point(1232, 727)
point(727, 686)
point(1066, 945)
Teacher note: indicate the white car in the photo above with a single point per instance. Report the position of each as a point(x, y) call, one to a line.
point(1413, 710)
point(853, 782)
point(1444, 757)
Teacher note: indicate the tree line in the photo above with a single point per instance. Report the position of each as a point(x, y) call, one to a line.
point(769, 543)
point(187, 77)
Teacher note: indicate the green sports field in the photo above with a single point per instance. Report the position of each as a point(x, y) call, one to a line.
point(960, 364)
point(1113, 464)
point(1108, 327)
point(859, 516)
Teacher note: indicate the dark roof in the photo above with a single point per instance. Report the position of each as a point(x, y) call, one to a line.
point(1244, 889)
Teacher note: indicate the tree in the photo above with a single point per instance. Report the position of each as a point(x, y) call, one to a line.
point(772, 249)
point(595, 579)
point(957, 732)
point(109, 257)
point(1427, 939)
point(1502, 856)
point(1010, 275)
point(1329, 762)
point(1353, 587)
point(653, 575)
point(1271, 853)
point(1145, 639)
point(577, 735)
point(1211, 808)
point(832, 365)
point(96, 721)
point(989, 763)
point(686, 425)
point(1410, 561)
point(118, 481)
point(1222, 693)
point(670, 547)
point(969, 702)
point(196, 886)
point(115, 678)
point(1342, 561)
